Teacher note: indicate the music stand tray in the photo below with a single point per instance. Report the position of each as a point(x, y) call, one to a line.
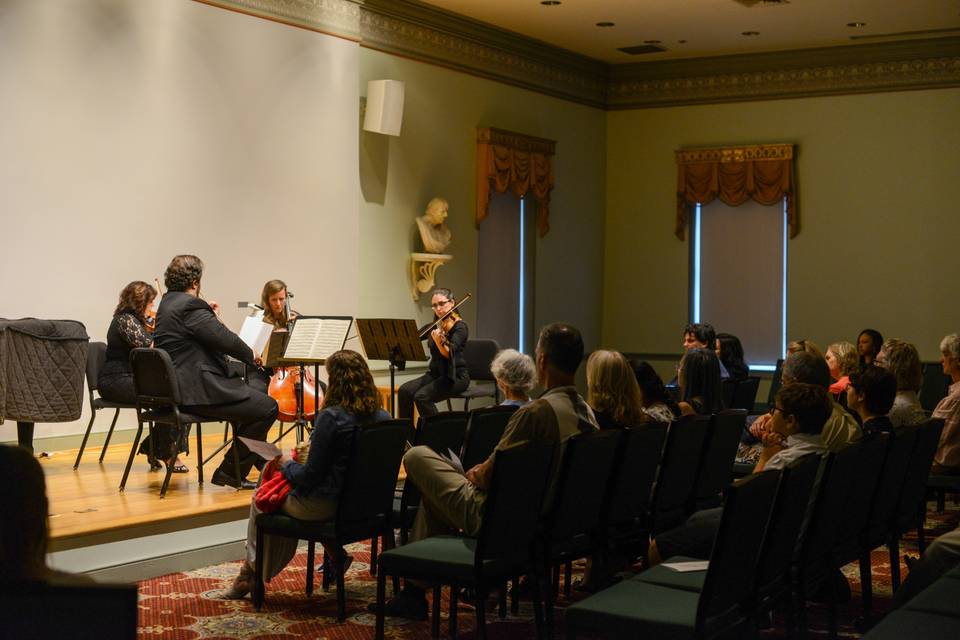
point(394, 340)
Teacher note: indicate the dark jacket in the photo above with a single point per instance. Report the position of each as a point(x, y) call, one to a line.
point(456, 366)
point(198, 342)
point(330, 443)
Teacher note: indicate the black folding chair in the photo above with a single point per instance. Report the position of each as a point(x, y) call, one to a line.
point(745, 394)
point(676, 479)
point(479, 354)
point(485, 427)
point(158, 403)
point(45, 611)
point(96, 356)
point(715, 470)
point(364, 509)
point(934, 385)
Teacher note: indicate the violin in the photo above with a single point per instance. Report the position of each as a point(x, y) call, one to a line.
point(440, 329)
point(150, 313)
point(286, 384)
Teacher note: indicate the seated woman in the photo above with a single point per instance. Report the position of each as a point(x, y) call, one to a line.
point(351, 400)
point(808, 346)
point(871, 394)
point(656, 403)
point(128, 331)
point(23, 527)
point(612, 390)
point(903, 361)
point(730, 352)
point(516, 375)
point(276, 312)
point(947, 459)
point(700, 388)
point(869, 343)
point(842, 361)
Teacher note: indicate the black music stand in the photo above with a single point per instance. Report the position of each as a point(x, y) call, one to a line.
point(396, 341)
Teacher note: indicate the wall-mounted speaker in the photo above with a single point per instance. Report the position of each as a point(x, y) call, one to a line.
point(384, 107)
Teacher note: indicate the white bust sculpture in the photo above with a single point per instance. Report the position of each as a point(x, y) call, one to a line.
point(433, 230)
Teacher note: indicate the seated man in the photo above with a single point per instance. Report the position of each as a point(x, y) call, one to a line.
point(871, 393)
point(701, 335)
point(189, 330)
point(797, 420)
point(841, 428)
point(452, 500)
point(941, 556)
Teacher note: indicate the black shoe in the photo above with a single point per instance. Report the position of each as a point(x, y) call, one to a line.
point(403, 605)
point(222, 479)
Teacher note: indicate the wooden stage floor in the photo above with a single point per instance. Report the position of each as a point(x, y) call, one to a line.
point(86, 506)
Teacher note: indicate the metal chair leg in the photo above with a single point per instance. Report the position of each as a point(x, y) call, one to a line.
point(106, 441)
point(893, 547)
point(133, 452)
point(199, 453)
point(435, 613)
point(83, 443)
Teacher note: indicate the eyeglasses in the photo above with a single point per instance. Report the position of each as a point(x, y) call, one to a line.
point(437, 305)
point(775, 408)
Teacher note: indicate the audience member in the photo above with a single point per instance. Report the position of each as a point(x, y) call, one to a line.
point(871, 394)
point(23, 526)
point(656, 402)
point(941, 556)
point(947, 460)
point(700, 389)
point(808, 346)
point(451, 499)
point(842, 361)
point(797, 419)
point(701, 335)
point(730, 352)
point(903, 361)
point(351, 401)
point(869, 343)
point(841, 429)
point(516, 375)
point(612, 390)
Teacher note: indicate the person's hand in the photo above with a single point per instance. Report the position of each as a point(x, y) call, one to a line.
point(472, 475)
point(215, 307)
point(257, 360)
point(772, 439)
point(760, 426)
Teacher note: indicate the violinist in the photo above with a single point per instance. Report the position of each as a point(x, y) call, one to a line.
point(190, 331)
point(448, 375)
point(130, 328)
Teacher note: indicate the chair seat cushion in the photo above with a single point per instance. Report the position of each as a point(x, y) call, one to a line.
point(942, 597)
point(165, 416)
point(280, 524)
point(100, 403)
point(943, 482)
point(476, 390)
point(633, 609)
point(666, 577)
point(904, 623)
point(448, 557)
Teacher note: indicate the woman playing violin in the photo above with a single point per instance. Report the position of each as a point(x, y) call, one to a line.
point(131, 327)
point(448, 374)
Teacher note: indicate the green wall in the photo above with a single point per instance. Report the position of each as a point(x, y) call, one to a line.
point(435, 156)
point(878, 239)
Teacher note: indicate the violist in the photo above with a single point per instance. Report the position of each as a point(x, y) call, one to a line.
point(448, 375)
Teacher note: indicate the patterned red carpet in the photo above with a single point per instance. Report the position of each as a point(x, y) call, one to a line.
point(185, 606)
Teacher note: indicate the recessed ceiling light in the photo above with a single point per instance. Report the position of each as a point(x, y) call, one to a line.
point(856, 25)
point(750, 33)
point(651, 42)
point(605, 24)
point(549, 3)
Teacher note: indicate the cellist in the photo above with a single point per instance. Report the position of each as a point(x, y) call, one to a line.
point(447, 375)
point(276, 311)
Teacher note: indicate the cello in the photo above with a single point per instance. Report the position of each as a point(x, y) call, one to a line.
point(287, 384)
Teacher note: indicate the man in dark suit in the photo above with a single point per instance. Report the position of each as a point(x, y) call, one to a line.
point(189, 330)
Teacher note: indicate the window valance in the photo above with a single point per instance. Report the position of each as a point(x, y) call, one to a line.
point(521, 163)
point(734, 174)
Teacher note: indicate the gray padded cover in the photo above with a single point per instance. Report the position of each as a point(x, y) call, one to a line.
point(42, 364)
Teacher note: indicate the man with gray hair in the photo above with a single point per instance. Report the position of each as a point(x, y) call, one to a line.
point(947, 459)
point(841, 428)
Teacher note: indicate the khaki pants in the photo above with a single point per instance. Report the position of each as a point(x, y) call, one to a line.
point(449, 499)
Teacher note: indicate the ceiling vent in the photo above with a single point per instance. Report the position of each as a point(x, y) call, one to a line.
point(641, 49)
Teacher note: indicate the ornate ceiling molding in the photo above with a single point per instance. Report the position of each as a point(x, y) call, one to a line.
point(422, 32)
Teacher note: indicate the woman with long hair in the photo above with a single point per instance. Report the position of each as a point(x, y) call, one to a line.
point(869, 343)
point(700, 387)
point(655, 401)
point(612, 390)
point(351, 401)
point(843, 362)
point(730, 352)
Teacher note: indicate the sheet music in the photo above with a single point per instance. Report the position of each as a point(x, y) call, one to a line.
point(316, 338)
point(684, 567)
point(255, 332)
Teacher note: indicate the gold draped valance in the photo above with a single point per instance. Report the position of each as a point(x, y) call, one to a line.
point(734, 174)
point(521, 163)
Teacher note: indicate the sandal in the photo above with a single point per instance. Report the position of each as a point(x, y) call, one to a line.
point(179, 467)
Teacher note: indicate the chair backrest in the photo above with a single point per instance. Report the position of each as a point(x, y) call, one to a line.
point(727, 389)
point(371, 476)
point(719, 453)
point(795, 495)
point(861, 491)
point(518, 486)
point(96, 356)
point(634, 472)
point(730, 574)
point(775, 382)
point(582, 481)
point(934, 386)
point(745, 394)
point(485, 427)
point(40, 610)
point(912, 497)
point(443, 433)
point(479, 354)
point(677, 474)
point(886, 496)
point(154, 379)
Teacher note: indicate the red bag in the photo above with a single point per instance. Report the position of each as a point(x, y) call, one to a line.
point(273, 489)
